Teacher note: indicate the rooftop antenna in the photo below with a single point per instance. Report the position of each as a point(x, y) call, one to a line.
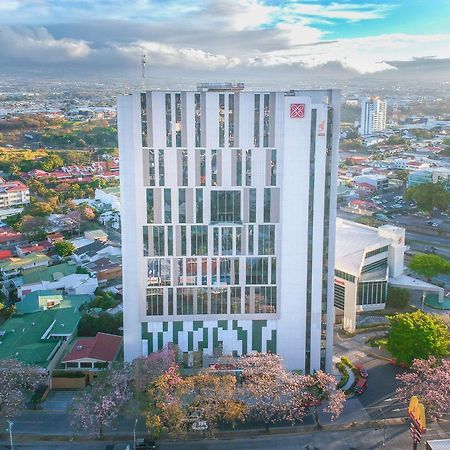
point(143, 62)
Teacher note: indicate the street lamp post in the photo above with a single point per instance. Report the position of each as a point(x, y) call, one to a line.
point(384, 427)
point(10, 425)
point(134, 434)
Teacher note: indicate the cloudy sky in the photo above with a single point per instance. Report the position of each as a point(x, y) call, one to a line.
point(218, 39)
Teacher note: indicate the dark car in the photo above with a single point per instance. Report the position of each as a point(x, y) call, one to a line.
point(362, 372)
point(145, 444)
point(360, 386)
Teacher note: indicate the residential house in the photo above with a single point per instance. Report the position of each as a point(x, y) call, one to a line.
point(60, 276)
point(39, 247)
point(94, 251)
point(94, 352)
point(105, 269)
point(15, 266)
point(35, 337)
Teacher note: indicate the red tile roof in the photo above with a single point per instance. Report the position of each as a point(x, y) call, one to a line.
point(102, 347)
point(5, 254)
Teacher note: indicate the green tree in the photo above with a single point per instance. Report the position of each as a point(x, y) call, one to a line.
point(90, 325)
point(34, 228)
point(429, 265)
point(52, 162)
point(398, 297)
point(429, 196)
point(417, 335)
point(65, 248)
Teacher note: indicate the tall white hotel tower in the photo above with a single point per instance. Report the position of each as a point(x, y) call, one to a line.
point(228, 222)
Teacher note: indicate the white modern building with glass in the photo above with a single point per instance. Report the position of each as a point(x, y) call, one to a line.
point(373, 115)
point(228, 202)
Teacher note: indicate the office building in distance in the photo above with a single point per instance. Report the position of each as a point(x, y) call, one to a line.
point(373, 115)
point(228, 203)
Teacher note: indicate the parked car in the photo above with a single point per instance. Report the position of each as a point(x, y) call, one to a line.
point(362, 372)
point(145, 444)
point(360, 386)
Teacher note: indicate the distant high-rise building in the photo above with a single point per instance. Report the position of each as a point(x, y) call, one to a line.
point(373, 115)
point(228, 203)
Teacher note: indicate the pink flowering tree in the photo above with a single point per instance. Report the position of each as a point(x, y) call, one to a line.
point(321, 389)
point(17, 381)
point(145, 370)
point(268, 390)
point(429, 380)
point(100, 404)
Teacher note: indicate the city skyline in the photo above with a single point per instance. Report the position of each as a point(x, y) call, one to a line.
point(215, 39)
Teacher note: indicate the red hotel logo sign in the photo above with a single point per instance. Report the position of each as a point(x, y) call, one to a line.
point(297, 110)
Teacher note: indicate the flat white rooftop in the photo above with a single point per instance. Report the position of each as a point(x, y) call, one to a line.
point(352, 240)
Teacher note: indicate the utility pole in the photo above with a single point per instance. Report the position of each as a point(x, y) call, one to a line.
point(10, 425)
point(143, 63)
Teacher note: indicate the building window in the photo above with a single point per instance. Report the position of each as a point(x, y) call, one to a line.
point(183, 239)
point(251, 236)
point(168, 121)
point(201, 167)
point(198, 134)
point(158, 241)
point(272, 163)
point(266, 126)
point(150, 206)
point(238, 240)
point(225, 206)
point(221, 120)
point(185, 301)
point(145, 240)
point(252, 205)
point(372, 293)
point(377, 251)
point(344, 275)
point(202, 301)
point(248, 167)
point(170, 301)
point(238, 165)
point(231, 120)
point(219, 301)
point(155, 302)
point(235, 307)
point(273, 279)
point(339, 296)
point(199, 240)
point(167, 206)
point(183, 167)
point(266, 239)
point(227, 240)
point(144, 123)
point(216, 240)
point(170, 240)
point(257, 271)
point(216, 162)
point(265, 300)
point(199, 205)
point(267, 205)
point(178, 125)
point(161, 166)
point(377, 265)
point(159, 272)
point(256, 120)
point(182, 205)
point(151, 167)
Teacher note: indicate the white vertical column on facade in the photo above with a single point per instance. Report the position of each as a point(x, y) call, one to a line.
point(335, 103)
point(226, 152)
point(244, 113)
point(158, 119)
point(212, 120)
point(132, 219)
point(318, 235)
point(294, 239)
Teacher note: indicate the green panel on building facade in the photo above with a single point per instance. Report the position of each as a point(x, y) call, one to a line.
point(197, 325)
point(204, 344)
point(223, 324)
point(272, 343)
point(235, 325)
point(242, 336)
point(150, 343)
point(165, 326)
point(177, 327)
point(160, 340)
point(257, 326)
point(190, 341)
